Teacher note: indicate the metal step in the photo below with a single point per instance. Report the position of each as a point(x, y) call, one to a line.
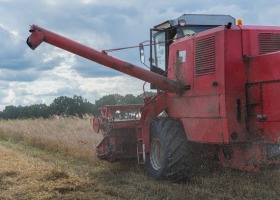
point(141, 156)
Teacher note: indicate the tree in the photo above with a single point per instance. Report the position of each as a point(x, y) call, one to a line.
point(111, 99)
point(130, 99)
point(60, 106)
point(66, 106)
point(10, 112)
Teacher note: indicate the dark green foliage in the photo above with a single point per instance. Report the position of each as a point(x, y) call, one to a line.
point(67, 106)
point(111, 99)
point(24, 112)
point(116, 99)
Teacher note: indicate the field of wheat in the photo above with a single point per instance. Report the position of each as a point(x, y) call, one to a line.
point(72, 136)
point(69, 145)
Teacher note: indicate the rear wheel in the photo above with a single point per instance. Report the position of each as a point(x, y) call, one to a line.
point(168, 157)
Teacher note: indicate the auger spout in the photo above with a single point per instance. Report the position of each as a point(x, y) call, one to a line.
point(39, 35)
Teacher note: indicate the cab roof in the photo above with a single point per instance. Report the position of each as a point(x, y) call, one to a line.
point(198, 20)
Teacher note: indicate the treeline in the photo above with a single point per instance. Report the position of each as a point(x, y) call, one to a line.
point(67, 106)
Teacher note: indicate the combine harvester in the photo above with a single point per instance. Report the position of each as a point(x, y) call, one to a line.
point(218, 86)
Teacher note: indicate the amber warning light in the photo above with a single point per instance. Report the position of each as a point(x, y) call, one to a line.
point(239, 22)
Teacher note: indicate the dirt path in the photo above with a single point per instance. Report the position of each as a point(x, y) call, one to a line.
point(23, 177)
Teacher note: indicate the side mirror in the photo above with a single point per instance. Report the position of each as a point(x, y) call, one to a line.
point(142, 54)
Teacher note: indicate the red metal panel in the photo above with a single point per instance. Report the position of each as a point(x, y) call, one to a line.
point(149, 112)
point(271, 101)
point(264, 68)
point(254, 107)
point(235, 79)
point(250, 45)
point(126, 124)
point(243, 156)
point(200, 106)
point(235, 68)
point(114, 108)
point(264, 93)
point(222, 105)
point(236, 116)
point(120, 144)
point(212, 83)
point(271, 109)
point(195, 106)
point(182, 68)
point(249, 42)
point(203, 130)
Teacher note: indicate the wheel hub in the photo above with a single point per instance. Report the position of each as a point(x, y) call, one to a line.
point(155, 154)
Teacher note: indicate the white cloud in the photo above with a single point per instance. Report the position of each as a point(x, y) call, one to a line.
point(10, 97)
point(230, 9)
point(270, 16)
point(28, 77)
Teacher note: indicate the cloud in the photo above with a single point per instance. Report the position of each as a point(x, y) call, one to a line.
point(271, 15)
point(28, 77)
point(10, 49)
point(24, 75)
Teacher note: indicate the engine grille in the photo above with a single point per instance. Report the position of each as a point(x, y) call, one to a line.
point(205, 55)
point(269, 42)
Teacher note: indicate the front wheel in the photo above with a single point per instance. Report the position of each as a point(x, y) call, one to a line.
point(168, 157)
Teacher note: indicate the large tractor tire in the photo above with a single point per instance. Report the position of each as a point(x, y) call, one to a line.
point(168, 156)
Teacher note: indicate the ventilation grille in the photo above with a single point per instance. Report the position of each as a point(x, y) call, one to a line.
point(205, 55)
point(269, 42)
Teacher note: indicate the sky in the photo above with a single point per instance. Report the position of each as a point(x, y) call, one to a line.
point(32, 77)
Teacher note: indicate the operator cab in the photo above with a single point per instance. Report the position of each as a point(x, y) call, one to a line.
point(164, 34)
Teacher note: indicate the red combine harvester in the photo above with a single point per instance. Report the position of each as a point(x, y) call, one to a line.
point(218, 87)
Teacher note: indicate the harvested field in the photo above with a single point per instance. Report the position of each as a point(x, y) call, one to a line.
point(55, 159)
point(23, 177)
